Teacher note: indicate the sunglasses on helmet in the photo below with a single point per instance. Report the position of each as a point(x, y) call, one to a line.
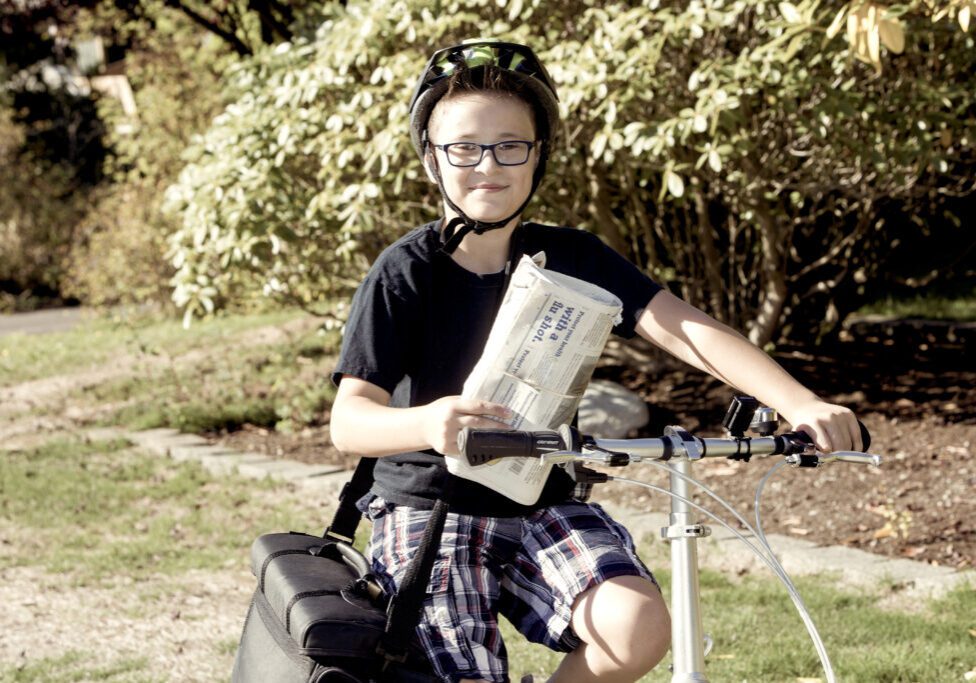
point(512, 57)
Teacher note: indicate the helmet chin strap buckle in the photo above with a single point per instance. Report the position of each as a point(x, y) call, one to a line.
point(453, 236)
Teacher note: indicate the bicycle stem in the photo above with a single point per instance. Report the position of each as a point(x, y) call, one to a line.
point(687, 634)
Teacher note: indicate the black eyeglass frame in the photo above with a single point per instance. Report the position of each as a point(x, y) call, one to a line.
point(529, 144)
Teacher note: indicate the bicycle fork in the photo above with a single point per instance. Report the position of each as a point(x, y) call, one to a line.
point(687, 635)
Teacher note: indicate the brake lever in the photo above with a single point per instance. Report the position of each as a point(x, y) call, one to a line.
point(818, 459)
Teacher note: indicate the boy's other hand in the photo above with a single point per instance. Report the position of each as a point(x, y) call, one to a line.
point(832, 427)
point(446, 417)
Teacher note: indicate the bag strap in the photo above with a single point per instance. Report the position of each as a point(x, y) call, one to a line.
point(403, 611)
point(347, 515)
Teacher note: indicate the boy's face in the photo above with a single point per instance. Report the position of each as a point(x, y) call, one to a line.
point(488, 191)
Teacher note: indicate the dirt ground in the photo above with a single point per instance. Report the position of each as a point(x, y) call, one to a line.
point(914, 387)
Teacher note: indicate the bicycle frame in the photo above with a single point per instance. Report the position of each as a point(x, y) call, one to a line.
point(687, 634)
point(681, 449)
point(683, 532)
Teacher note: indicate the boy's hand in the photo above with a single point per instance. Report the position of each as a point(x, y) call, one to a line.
point(832, 427)
point(445, 417)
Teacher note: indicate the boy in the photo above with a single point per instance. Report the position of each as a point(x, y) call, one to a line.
point(483, 119)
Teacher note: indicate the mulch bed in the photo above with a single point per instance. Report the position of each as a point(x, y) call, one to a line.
point(913, 385)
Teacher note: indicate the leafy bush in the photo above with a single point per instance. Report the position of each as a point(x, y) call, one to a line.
point(35, 232)
point(733, 149)
point(86, 179)
point(174, 70)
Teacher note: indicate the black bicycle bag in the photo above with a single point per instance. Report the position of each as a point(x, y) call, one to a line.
point(318, 615)
point(315, 601)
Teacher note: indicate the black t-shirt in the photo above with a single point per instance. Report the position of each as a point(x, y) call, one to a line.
point(418, 324)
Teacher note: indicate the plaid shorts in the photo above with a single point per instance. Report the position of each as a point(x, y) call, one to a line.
point(530, 569)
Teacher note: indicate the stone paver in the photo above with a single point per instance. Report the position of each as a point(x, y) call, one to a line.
point(721, 550)
point(160, 441)
point(223, 464)
point(299, 470)
point(107, 434)
point(326, 484)
point(196, 452)
point(724, 552)
point(259, 466)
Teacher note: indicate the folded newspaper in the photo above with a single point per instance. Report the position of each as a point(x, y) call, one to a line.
point(543, 346)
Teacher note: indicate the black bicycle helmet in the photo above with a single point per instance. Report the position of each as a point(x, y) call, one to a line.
point(517, 60)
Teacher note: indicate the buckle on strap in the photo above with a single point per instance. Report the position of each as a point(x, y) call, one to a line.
point(329, 533)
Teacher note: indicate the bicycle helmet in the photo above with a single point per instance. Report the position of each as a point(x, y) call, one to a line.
point(511, 58)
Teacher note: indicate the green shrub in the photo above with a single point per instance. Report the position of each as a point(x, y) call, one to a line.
point(733, 149)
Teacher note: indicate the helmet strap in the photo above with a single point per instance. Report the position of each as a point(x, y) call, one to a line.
point(458, 227)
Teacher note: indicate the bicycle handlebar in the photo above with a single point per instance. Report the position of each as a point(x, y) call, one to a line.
point(568, 444)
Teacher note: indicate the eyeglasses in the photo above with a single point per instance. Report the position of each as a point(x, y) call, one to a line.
point(506, 153)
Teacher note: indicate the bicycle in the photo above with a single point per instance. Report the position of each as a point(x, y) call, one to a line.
point(567, 446)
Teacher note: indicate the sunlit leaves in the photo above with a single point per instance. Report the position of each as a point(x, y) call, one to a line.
point(961, 10)
point(674, 183)
point(737, 107)
point(790, 12)
point(871, 25)
point(868, 27)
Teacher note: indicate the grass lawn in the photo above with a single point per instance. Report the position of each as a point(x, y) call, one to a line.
point(282, 386)
point(104, 337)
point(120, 566)
point(207, 378)
point(77, 666)
point(103, 516)
point(116, 564)
point(934, 306)
point(759, 636)
point(92, 512)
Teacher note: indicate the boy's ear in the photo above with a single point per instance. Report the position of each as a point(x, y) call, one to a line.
point(430, 163)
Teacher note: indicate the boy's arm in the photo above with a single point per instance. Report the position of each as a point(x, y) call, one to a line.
point(363, 423)
point(700, 340)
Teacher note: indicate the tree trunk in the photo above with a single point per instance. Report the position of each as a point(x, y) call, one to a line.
point(712, 271)
point(272, 27)
point(772, 275)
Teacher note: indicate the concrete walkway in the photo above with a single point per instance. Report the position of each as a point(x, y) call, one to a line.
point(901, 583)
point(40, 322)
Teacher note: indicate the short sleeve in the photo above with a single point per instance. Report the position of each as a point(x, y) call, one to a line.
point(603, 266)
point(374, 341)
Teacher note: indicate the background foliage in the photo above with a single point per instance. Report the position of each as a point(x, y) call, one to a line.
point(774, 163)
point(734, 149)
point(84, 180)
point(175, 71)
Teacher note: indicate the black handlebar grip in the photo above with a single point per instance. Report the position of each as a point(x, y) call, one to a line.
point(480, 446)
point(865, 437)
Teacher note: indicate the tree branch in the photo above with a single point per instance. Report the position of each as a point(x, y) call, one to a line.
point(228, 36)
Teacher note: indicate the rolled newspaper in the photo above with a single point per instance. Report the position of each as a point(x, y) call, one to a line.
point(543, 346)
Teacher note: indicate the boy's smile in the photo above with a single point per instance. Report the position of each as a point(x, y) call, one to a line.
point(488, 191)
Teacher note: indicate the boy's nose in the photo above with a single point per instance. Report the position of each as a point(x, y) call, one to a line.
point(488, 157)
